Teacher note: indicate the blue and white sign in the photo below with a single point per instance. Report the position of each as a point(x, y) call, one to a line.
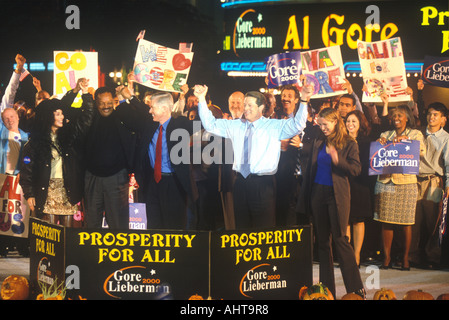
point(283, 68)
point(400, 157)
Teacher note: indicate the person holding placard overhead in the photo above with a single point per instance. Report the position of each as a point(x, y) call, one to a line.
point(395, 195)
point(256, 144)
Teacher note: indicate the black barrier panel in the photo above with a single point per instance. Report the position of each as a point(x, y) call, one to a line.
point(104, 264)
point(138, 264)
point(47, 252)
point(261, 264)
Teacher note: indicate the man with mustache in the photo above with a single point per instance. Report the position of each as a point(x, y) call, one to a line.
point(109, 160)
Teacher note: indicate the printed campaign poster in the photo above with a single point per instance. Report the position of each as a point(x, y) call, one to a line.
point(261, 264)
point(283, 69)
point(399, 157)
point(69, 66)
point(436, 71)
point(324, 69)
point(383, 70)
point(161, 68)
point(14, 213)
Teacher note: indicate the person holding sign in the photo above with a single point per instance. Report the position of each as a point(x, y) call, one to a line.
point(396, 194)
point(325, 193)
point(256, 143)
point(51, 174)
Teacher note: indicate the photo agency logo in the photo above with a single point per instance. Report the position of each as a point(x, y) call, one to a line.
point(73, 20)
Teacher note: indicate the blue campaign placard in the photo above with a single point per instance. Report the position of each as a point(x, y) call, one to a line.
point(401, 157)
point(283, 69)
point(436, 71)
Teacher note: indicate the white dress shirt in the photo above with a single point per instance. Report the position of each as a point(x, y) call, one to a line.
point(266, 139)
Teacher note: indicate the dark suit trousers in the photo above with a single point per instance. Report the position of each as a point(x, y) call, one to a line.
point(166, 204)
point(109, 195)
point(254, 201)
point(328, 229)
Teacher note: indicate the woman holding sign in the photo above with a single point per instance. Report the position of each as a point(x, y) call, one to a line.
point(51, 173)
point(326, 194)
point(396, 194)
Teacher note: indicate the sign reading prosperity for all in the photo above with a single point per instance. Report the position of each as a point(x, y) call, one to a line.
point(69, 66)
point(436, 71)
point(401, 157)
point(161, 68)
point(383, 69)
point(14, 211)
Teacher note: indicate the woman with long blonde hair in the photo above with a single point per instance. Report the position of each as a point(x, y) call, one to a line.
point(325, 194)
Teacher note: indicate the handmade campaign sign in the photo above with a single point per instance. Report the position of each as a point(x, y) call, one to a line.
point(283, 69)
point(69, 66)
point(383, 70)
point(324, 69)
point(436, 71)
point(14, 212)
point(261, 263)
point(400, 157)
point(161, 68)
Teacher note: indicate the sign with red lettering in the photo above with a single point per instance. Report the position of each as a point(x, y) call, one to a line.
point(383, 69)
point(323, 68)
point(14, 210)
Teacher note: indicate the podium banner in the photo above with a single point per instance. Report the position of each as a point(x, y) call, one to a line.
point(261, 264)
point(103, 264)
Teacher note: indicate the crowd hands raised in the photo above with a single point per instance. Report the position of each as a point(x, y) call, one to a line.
point(307, 162)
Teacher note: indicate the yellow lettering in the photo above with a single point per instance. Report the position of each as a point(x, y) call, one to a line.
point(326, 32)
point(428, 13)
point(292, 34)
point(62, 82)
point(393, 29)
point(79, 61)
point(62, 66)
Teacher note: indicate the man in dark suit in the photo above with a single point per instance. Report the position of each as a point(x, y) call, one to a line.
point(162, 163)
point(109, 157)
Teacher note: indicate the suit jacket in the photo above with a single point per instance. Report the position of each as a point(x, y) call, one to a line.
point(142, 121)
point(348, 164)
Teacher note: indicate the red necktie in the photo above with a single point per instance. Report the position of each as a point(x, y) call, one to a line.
point(158, 160)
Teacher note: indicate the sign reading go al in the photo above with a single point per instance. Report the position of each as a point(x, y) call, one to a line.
point(69, 66)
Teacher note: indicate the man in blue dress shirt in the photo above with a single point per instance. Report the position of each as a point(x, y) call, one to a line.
point(256, 144)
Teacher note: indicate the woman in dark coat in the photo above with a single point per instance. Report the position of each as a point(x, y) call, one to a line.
point(52, 173)
point(326, 195)
point(362, 186)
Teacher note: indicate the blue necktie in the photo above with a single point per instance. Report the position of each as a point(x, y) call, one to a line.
point(245, 166)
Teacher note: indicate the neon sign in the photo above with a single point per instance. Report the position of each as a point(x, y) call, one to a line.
point(250, 33)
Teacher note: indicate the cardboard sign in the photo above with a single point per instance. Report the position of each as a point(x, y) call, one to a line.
point(69, 66)
point(401, 157)
point(261, 264)
point(14, 212)
point(383, 70)
point(436, 71)
point(283, 69)
point(161, 68)
point(323, 68)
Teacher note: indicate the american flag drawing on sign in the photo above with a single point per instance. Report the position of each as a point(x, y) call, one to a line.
point(161, 55)
point(394, 86)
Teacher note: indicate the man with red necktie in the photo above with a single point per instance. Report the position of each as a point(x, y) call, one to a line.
point(164, 182)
